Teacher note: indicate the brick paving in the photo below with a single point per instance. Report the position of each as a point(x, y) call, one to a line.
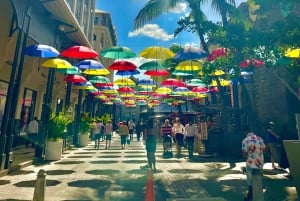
point(119, 175)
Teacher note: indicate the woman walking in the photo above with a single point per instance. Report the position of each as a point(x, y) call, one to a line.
point(108, 133)
point(151, 145)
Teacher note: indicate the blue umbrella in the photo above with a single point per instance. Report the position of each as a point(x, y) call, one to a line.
point(187, 53)
point(89, 64)
point(146, 81)
point(40, 50)
point(127, 72)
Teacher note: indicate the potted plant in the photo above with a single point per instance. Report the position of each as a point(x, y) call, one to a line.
point(56, 128)
point(85, 126)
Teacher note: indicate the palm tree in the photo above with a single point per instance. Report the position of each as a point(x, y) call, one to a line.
point(155, 8)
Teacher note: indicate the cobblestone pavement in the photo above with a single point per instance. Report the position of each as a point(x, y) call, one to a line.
point(120, 175)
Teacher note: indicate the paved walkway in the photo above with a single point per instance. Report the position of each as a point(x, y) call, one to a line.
point(119, 175)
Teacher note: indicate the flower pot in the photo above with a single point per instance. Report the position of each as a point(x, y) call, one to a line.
point(53, 150)
point(292, 148)
point(83, 139)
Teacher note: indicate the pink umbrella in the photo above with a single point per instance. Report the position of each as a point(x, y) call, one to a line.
point(171, 82)
point(157, 73)
point(200, 89)
point(218, 52)
point(256, 63)
point(122, 66)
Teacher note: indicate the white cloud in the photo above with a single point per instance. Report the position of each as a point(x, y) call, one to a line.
point(152, 31)
point(180, 8)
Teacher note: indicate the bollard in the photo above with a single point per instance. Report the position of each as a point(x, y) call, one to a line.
point(40, 186)
point(257, 193)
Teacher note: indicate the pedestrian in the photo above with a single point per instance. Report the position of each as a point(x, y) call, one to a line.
point(32, 132)
point(108, 133)
point(272, 140)
point(178, 130)
point(166, 130)
point(253, 149)
point(97, 127)
point(139, 130)
point(157, 126)
point(190, 132)
point(123, 132)
point(131, 126)
point(151, 144)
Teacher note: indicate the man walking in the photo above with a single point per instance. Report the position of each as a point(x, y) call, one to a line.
point(253, 149)
point(190, 132)
point(32, 132)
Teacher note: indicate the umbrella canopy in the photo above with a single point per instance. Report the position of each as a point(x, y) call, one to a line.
point(184, 73)
point(122, 65)
point(125, 90)
point(181, 90)
point(157, 73)
point(56, 63)
point(99, 79)
point(102, 71)
point(292, 53)
point(218, 52)
point(127, 72)
point(188, 53)
point(163, 90)
point(156, 52)
point(200, 89)
point(117, 52)
point(75, 78)
point(89, 64)
point(79, 52)
point(256, 63)
point(144, 90)
point(195, 83)
point(40, 50)
point(124, 82)
point(171, 82)
point(189, 65)
point(222, 82)
point(69, 71)
point(147, 82)
point(152, 65)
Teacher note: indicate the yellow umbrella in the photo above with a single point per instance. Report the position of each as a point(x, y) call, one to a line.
point(102, 71)
point(293, 53)
point(222, 82)
point(84, 87)
point(163, 90)
point(189, 65)
point(156, 52)
point(56, 63)
point(124, 82)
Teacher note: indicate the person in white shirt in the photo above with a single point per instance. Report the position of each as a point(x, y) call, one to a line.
point(131, 126)
point(178, 130)
point(32, 132)
point(190, 132)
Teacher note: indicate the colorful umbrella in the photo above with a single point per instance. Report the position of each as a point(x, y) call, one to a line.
point(218, 52)
point(69, 71)
point(200, 89)
point(147, 82)
point(79, 52)
point(42, 51)
point(152, 65)
point(75, 78)
point(292, 53)
point(125, 90)
point(117, 52)
point(102, 71)
point(189, 65)
point(188, 53)
point(163, 90)
point(124, 82)
point(195, 83)
point(127, 72)
point(99, 79)
point(157, 73)
point(171, 82)
point(156, 52)
point(256, 63)
point(89, 64)
point(56, 63)
point(122, 65)
point(184, 73)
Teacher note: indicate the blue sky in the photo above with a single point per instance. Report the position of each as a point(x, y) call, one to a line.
point(158, 32)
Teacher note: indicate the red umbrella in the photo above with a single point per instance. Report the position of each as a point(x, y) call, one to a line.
point(122, 66)
point(256, 63)
point(126, 90)
point(75, 78)
point(171, 82)
point(157, 73)
point(218, 52)
point(200, 89)
point(79, 52)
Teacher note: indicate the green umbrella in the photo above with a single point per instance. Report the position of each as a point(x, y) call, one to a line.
point(152, 65)
point(69, 71)
point(118, 52)
point(99, 79)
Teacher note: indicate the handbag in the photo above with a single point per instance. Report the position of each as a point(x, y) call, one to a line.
point(128, 140)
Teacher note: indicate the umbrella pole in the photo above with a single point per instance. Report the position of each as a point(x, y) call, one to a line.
point(78, 116)
point(68, 94)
